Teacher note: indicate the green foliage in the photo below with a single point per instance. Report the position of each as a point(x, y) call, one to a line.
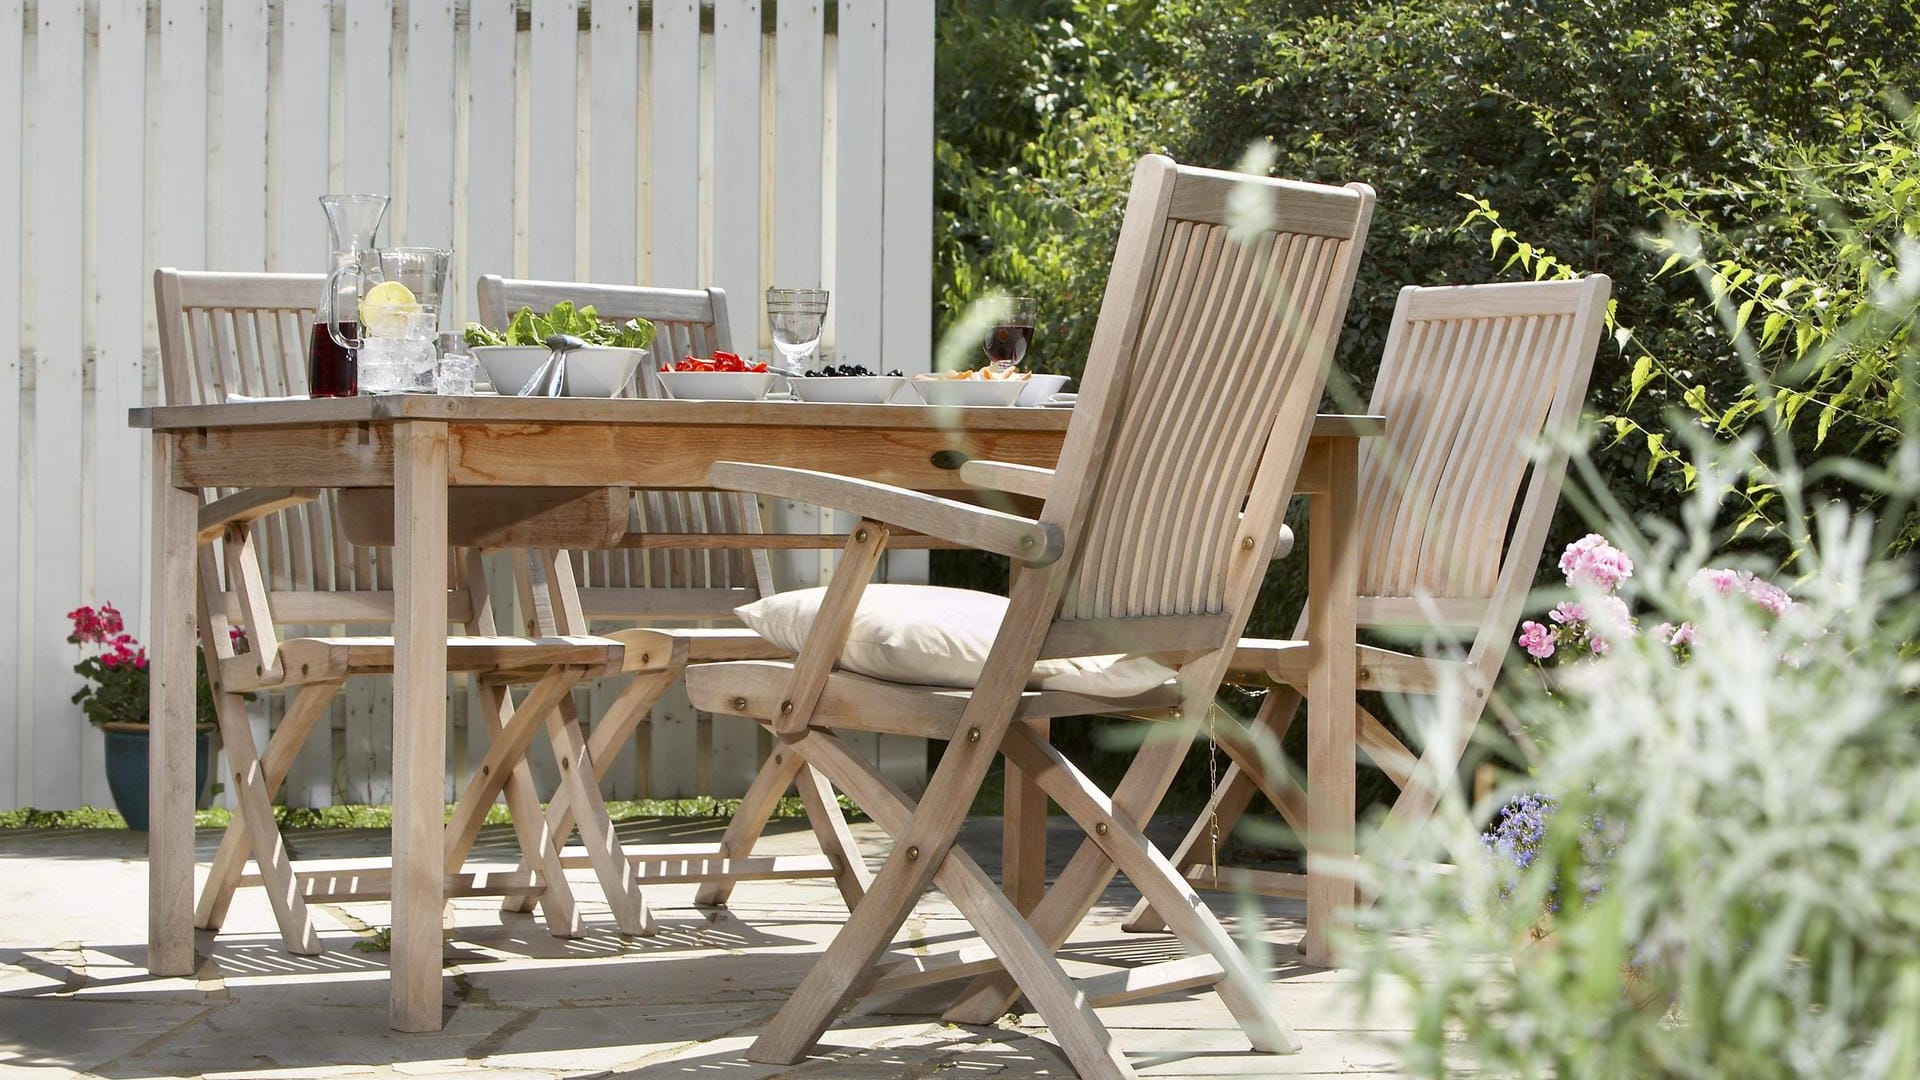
point(528, 327)
point(358, 816)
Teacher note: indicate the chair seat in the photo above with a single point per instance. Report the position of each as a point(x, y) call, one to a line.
point(651, 648)
point(858, 703)
point(320, 659)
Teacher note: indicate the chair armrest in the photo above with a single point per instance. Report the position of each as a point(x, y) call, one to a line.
point(249, 505)
point(1030, 480)
point(1032, 542)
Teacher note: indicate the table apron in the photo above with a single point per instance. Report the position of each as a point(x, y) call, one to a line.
point(543, 455)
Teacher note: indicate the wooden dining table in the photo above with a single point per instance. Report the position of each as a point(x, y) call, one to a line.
point(421, 446)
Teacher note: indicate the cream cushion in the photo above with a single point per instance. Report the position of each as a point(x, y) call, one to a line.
point(929, 635)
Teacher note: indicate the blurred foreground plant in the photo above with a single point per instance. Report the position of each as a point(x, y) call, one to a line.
point(1756, 912)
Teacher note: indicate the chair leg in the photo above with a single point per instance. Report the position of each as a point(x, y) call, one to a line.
point(1225, 807)
point(577, 777)
point(609, 735)
point(763, 795)
point(505, 768)
point(1079, 886)
point(231, 860)
point(1085, 1040)
point(256, 814)
point(836, 839)
point(1023, 834)
point(1241, 988)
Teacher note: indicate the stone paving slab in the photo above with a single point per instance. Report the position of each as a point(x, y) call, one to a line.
point(75, 999)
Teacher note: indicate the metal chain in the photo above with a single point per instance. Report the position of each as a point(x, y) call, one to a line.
point(1213, 790)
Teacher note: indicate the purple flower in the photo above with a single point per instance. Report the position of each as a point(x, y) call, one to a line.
point(1536, 639)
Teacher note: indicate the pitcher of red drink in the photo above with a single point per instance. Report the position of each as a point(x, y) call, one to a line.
point(352, 221)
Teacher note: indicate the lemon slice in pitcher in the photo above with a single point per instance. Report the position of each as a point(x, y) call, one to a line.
point(379, 310)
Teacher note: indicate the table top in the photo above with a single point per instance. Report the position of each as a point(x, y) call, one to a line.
point(490, 409)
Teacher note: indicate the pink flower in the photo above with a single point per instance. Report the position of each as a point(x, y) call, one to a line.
point(1590, 560)
point(1719, 581)
point(110, 622)
point(1568, 612)
point(1769, 596)
point(1536, 639)
point(1681, 636)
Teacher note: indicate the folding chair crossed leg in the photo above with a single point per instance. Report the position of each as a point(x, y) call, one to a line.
point(328, 662)
point(1008, 941)
point(656, 658)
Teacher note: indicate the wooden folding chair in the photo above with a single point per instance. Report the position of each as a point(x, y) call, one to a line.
point(692, 559)
point(287, 562)
point(1219, 320)
point(1472, 379)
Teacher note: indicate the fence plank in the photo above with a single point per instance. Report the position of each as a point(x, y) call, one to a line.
point(907, 228)
point(429, 133)
point(736, 165)
point(798, 123)
point(16, 778)
point(242, 221)
point(906, 253)
point(120, 289)
point(614, 153)
point(763, 109)
point(59, 174)
point(183, 134)
point(675, 200)
point(490, 139)
point(553, 88)
point(305, 87)
point(798, 51)
point(858, 141)
point(369, 97)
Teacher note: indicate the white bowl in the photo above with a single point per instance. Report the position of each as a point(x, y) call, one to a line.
point(1040, 389)
point(600, 371)
point(716, 385)
point(968, 391)
point(510, 366)
point(594, 371)
point(847, 389)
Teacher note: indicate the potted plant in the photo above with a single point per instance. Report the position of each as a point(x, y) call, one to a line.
point(114, 666)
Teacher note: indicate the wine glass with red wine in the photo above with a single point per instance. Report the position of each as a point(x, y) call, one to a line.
point(1012, 332)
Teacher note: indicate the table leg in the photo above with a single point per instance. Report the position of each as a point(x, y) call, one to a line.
point(419, 720)
point(1332, 580)
point(170, 791)
point(1023, 838)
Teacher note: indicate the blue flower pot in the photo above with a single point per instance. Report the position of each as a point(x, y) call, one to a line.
point(127, 770)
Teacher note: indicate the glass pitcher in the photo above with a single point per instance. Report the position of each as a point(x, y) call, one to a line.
point(418, 274)
point(352, 222)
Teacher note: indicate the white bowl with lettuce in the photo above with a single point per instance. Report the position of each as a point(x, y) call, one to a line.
point(604, 368)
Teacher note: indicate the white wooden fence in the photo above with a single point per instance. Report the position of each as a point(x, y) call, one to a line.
point(682, 142)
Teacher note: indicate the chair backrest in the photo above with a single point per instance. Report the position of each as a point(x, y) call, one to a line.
point(223, 334)
point(1215, 335)
point(657, 583)
point(1471, 379)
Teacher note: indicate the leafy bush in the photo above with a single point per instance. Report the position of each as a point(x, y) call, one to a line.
point(1761, 788)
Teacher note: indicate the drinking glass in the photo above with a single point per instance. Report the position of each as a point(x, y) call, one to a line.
point(1013, 321)
point(795, 316)
point(455, 371)
point(398, 347)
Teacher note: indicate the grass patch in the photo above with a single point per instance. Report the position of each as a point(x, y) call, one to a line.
point(381, 817)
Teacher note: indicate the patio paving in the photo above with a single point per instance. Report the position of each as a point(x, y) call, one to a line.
point(76, 1000)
